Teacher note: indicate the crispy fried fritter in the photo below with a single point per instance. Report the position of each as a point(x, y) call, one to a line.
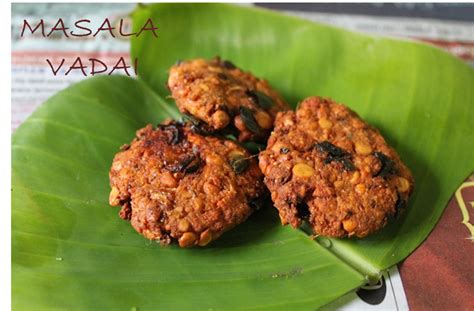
point(174, 184)
point(326, 165)
point(223, 97)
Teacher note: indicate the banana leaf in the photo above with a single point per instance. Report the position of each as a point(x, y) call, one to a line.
point(70, 250)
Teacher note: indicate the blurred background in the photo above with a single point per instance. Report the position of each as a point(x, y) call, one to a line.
point(450, 26)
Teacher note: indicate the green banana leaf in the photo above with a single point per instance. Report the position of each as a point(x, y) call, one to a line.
point(420, 98)
point(70, 250)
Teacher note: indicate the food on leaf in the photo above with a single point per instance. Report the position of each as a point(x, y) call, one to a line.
point(324, 164)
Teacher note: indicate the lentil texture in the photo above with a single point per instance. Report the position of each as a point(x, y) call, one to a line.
point(324, 164)
point(176, 185)
point(225, 98)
